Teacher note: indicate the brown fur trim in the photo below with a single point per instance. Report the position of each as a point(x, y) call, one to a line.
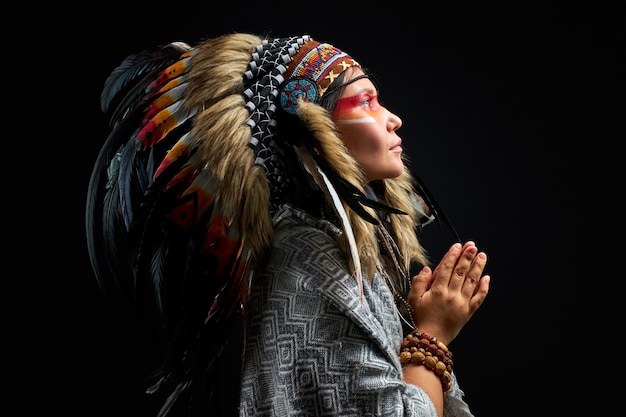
point(222, 136)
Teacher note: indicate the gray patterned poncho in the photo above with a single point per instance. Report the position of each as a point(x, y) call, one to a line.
point(314, 348)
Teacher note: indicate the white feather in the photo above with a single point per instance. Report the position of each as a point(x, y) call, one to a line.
point(318, 173)
point(348, 230)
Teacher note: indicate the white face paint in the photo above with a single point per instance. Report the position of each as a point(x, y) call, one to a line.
point(366, 119)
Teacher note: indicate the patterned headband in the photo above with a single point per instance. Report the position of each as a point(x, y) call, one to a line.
point(312, 69)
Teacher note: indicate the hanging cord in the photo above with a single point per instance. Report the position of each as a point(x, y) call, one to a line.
point(435, 207)
point(401, 283)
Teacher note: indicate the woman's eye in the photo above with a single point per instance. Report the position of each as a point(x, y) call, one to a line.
point(371, 102)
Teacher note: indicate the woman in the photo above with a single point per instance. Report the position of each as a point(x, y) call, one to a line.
point(264, 180)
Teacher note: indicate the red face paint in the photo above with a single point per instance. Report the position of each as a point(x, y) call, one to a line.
point(364, 102)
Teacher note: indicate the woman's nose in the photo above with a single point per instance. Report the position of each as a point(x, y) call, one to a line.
point(394, 122)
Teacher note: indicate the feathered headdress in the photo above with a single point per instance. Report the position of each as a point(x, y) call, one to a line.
point(181, 197)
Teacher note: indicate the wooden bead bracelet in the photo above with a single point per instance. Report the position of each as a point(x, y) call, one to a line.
point(422, 349)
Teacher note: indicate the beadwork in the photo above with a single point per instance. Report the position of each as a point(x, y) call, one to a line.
point(422, 349)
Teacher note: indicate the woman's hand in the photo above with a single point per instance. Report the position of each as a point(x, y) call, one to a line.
point(445, 299)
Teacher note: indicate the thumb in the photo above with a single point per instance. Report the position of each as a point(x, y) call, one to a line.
point(421, 282)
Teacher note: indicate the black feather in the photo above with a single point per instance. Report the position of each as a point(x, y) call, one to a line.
point(352, 196)
point(135, 67)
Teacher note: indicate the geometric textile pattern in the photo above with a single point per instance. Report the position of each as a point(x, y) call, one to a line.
point(317, 349)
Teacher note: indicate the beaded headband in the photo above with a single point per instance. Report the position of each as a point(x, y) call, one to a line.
point(313, 68)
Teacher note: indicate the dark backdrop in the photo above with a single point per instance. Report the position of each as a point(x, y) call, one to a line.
point(495, 99)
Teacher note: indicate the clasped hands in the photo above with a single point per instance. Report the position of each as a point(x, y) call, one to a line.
point(444, 299)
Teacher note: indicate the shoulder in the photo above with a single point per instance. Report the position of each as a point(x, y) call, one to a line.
point(289, 216)
point(295, 230)
point(304, 255)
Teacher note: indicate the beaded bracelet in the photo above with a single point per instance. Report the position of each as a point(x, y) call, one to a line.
point(422, 349)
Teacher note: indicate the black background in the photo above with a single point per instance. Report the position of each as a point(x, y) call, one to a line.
point(496, 100)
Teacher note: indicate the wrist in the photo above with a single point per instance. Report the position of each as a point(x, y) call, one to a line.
point(422, 349)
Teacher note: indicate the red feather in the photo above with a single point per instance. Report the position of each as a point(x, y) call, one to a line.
point(154, 229)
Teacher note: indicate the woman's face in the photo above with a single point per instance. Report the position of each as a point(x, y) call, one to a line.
point(369, 129)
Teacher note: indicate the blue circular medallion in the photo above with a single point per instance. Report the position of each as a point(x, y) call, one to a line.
point(295, 89)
